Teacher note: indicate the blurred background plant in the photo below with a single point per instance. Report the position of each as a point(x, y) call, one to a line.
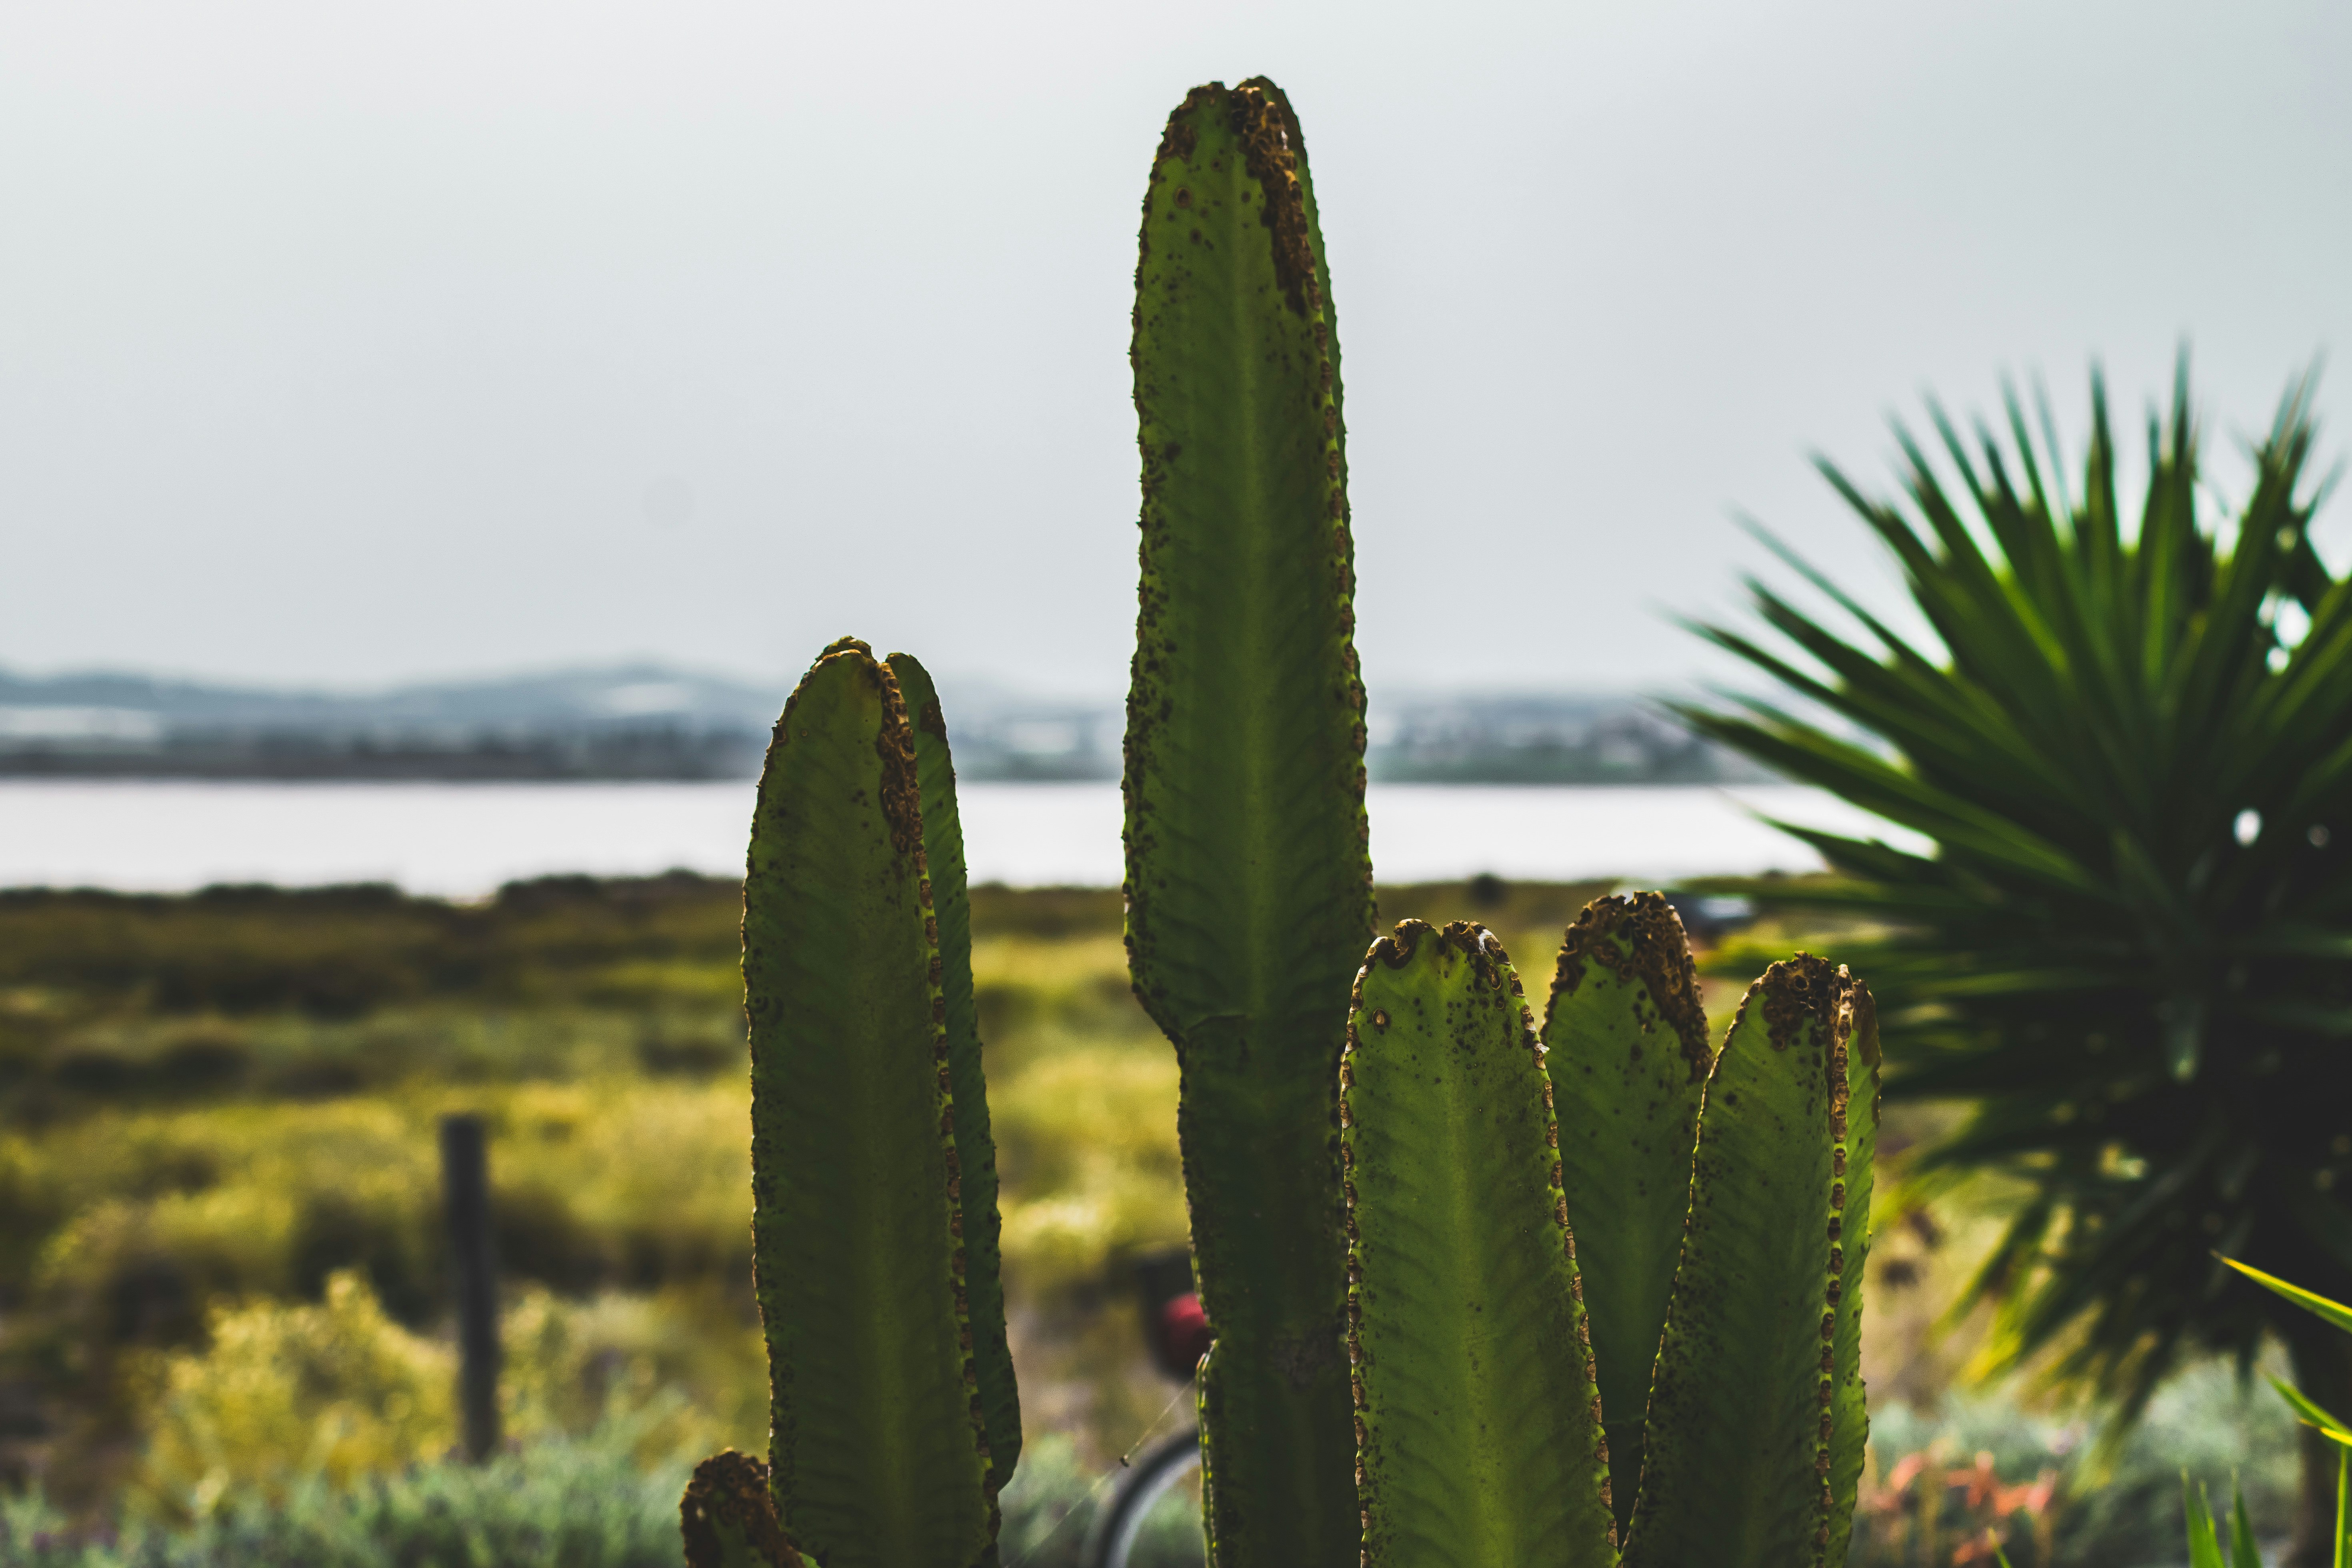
point(1949, 1480)
point(218, 1158)
point(224, 1334)
point(586, 1502)
point(284, 1393)
point(2130, 948)
point(592, 1500)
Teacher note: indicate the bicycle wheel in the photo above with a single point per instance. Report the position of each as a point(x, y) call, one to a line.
point(1150, 1508)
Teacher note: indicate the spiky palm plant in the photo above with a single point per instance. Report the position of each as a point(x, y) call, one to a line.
point(2130, 946)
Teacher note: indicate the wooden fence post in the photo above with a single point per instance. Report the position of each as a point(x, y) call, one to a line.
point(465, 1189)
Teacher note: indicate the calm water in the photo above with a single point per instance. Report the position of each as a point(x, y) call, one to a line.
point(463, 840)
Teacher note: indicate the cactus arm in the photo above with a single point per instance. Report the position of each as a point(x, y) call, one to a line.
point(877, 1456)
point(1480, 1438)
point(1248, 876)
point(1626, 1047)
point(1750, 1406)
point(1000, 1399)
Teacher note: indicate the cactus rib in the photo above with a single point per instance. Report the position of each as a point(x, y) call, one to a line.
point(975, 1148)
point(1855, 1123)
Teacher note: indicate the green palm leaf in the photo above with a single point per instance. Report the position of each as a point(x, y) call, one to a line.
point(2131, 944)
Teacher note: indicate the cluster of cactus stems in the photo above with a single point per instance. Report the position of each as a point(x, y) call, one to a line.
point(1485, 1292)
point(1490, 1170)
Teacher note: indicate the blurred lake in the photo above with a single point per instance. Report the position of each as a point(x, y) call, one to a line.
point(463, 840)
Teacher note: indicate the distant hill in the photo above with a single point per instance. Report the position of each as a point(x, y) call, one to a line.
point(1541, 737)
point(630, 721)
point(650, 721)
point(619, 694)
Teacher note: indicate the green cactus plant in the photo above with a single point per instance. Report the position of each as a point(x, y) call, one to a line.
point(1248, 871)
point(874, 1191)
point(1389, 1171)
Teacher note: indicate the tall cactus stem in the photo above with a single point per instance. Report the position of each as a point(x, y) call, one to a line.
point(1248, 877)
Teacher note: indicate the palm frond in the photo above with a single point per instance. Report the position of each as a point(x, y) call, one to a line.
point(2131, 946)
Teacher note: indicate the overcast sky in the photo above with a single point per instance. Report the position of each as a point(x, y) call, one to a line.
point(348, 344)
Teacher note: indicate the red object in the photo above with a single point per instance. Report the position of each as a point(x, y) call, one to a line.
point(1182, 1336)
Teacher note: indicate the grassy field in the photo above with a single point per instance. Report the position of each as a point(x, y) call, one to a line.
point(218, 1220)
point(224, 1283)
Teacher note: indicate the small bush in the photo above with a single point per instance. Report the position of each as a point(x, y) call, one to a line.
point(336, 1390)
point(588, 1502)
point(582, 1502)
point(290, 1395)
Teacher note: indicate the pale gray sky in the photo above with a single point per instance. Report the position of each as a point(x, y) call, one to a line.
point(342, 344)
